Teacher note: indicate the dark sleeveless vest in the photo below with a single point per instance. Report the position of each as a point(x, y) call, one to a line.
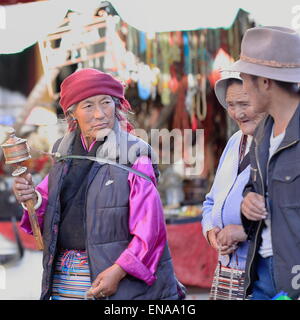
point(105, 225)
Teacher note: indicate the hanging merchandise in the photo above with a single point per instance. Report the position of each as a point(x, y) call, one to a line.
point(142, 43)
point(154, 52)
point(165, 64)
point(165, 93)
point(192, 89)
point(177, 67)
point(173, 83)
point(202, 108)
point(196, 71)
point(144, 83)
point(148, 52)
point(181, 118)
point(237, 36)
point(142, 49)
point(230, 35)
point(174, 45)
point(158, 62)
point(186, 53)
point(155, 75)
point(191, 83)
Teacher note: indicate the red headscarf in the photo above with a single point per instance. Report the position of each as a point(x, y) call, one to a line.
point(90, 82)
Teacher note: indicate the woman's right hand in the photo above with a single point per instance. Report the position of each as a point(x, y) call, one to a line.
point(212, 237)
point(23, 188)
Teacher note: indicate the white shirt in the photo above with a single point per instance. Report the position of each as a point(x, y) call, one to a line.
point(249, 140)
point(265, 249)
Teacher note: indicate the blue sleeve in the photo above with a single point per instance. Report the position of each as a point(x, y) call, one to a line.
point(209, 198)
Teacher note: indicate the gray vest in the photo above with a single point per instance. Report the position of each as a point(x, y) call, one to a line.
point(106, 223)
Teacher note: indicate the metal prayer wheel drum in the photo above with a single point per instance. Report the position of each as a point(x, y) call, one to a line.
point(15, 149)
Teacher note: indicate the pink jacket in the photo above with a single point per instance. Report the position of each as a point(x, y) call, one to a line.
point(146, 223)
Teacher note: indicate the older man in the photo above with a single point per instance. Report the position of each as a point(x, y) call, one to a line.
point(270, 68)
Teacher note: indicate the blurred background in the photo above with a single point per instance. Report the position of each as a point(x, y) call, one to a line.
point(169, 55)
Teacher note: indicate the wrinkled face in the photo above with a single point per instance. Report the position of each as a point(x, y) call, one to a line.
point(95, 116)
point(240, 109)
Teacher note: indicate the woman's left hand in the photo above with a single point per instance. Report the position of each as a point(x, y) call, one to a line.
point(225, 250)
point(106, 283)
point(230, 236)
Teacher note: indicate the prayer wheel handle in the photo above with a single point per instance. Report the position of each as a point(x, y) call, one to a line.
point(16, 151)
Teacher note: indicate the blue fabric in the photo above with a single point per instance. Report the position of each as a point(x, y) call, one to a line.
point(264, 288)
point(186, 53)
point(143, 42)
point(71, 279)
point(222, 204)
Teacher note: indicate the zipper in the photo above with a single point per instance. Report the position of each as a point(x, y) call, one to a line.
point(85, 234)
point(84, 228)
point(284, 147)
point(263, 191)
point(84, 225)
point(260, 222)
point(52, 255)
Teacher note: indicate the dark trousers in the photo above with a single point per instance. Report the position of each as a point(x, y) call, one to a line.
point(264, 287)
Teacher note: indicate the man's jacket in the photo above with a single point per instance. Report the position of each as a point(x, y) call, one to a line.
point(277, 179)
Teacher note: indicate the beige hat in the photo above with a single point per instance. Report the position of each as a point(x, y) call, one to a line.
point(270, 52)
point(222, 85)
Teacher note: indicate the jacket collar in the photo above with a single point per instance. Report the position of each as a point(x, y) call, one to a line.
point(119, 146)
point(292, 133)
point(262, 138)
point(109, 149)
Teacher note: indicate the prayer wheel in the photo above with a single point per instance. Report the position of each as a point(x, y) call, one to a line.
point(16, 151)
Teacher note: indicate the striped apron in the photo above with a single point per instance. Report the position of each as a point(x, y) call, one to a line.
point(71, 278)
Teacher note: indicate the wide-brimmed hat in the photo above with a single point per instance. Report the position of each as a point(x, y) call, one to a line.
point(270, 52)
point(222, 85)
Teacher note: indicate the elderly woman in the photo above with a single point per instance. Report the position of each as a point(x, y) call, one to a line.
point(103, 225)
point(221, 222)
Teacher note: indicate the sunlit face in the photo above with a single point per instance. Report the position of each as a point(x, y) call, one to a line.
point(240, 109)
point(95, 116)
point(256, 94)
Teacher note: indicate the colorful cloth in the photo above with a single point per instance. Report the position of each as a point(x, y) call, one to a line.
point(71, 278)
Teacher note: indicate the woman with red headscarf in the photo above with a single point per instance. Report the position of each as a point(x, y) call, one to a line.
point(103, 225)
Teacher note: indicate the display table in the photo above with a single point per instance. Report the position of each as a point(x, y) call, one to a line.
point(194, 260)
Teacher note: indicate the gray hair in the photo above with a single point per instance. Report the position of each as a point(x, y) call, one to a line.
point(72, 125)
point(71, 110)
point(119, 114)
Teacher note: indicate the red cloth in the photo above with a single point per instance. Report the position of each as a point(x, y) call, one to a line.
point(194, 260)
point(28, 241)
point(87, 83)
